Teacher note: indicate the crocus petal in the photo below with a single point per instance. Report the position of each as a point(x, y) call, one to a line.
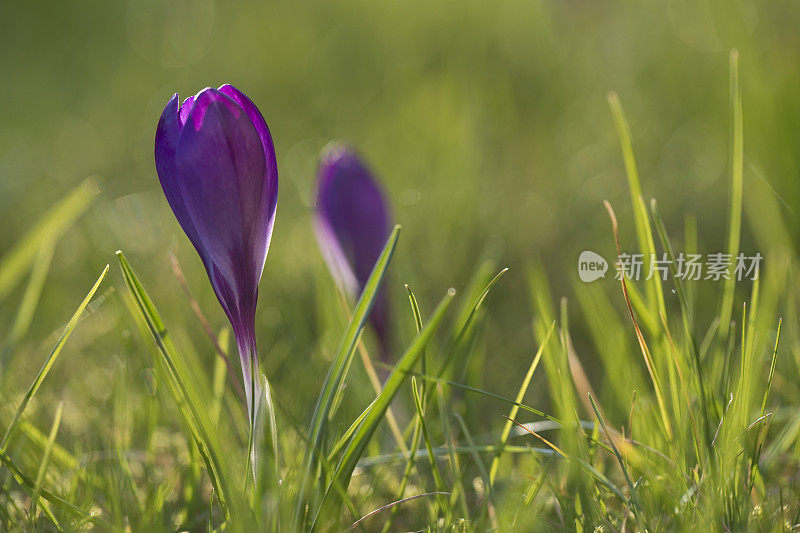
point(352, 225)
point(350, 203)
point(269, 149)
point(335, 258)
point(186, 106)
point(222, 166)
point(258, 122)
point(167, 135)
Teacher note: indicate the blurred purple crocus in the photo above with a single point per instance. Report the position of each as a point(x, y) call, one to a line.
point(216, 163)
point(352, 224)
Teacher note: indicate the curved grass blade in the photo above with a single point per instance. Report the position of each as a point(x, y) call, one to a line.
point(763, 430)
point(435, 472)
point(434, 379)
point(37, 491)
point(458, 492)
point(197, 424)
point(416, 435)
point(30, 485)
point(16, 261)
point(648, 358)
point(586, 467)
point(48, 364)
point(266, 458)
point(482, 470)
point(475, 287)
point(442, 451)
point(636, 505)
point(464, 329)
point(515, 409)
point(29, 302)
point(423, 362)
point(59, 454)
point(393, 505)
point(337, 372)
point(644, 232)
point(357, 445)
point(686, 315)
point(737, 187)
point(345, 438)
point(375, 381)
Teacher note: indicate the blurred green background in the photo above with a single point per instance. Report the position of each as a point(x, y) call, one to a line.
point(487, 122)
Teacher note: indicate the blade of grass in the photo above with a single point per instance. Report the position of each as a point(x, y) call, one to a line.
point(771, 368)
point(336, 373)
point(648, 359)
point(482, 471)
point(476, 286)
point(611, 341)
point(423, 363)
point(426, 438)
point(361, 438)
point(699, 442)
point(470, 317)
point(39, 439)
point(30, 300)
point(458, 491)
point(434, 379)
point(644, 232)
point(393, 505)
point(51, 226)
point(514, 409)
point(30, 485)
point(218, 379)
point(642, 308)
point(442, 451)
point(374, 380)
point(554, 357)
point(197, 424)
point(337, 448)
point(416, 435)
point(586, 467)
point(737, 186)
point(466, 318)
point(129, 480)
point(267, 459)
point(762, 433)
point(51, 359)
point(636, 505)
point(45, 462)
point(687, 319)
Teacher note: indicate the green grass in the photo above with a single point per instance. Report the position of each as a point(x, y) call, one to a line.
point(524, 401)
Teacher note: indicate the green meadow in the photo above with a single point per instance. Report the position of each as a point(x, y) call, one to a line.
point(509, 138)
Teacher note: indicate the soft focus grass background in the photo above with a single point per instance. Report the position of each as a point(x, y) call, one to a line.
point(487, 123)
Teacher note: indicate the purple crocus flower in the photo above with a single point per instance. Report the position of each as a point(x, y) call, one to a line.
point(352, 224)
point(216, 163)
